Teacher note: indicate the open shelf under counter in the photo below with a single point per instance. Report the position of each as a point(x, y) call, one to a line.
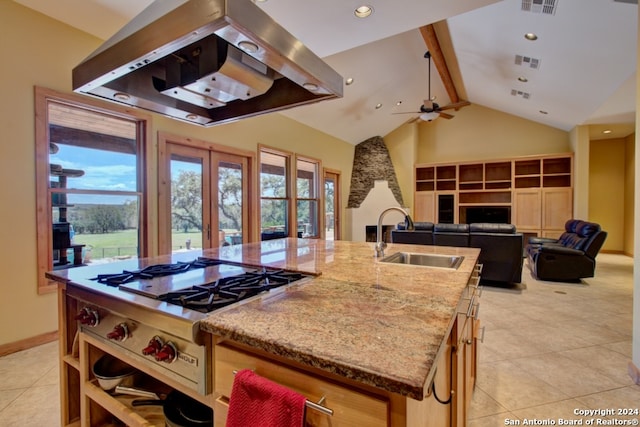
point(121, 407)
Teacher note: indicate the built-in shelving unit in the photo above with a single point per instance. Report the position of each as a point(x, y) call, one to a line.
point(536, 191)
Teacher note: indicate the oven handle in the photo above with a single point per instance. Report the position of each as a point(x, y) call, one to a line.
point(313, 405)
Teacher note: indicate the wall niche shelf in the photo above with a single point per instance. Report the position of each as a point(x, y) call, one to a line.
point(538, 190)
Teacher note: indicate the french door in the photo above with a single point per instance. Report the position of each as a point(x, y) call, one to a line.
point(332, 204)
point(205, 199)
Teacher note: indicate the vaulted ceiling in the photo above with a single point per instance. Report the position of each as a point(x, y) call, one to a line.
point(584, 57)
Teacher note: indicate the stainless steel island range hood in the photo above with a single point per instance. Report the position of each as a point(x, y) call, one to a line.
point(206, 62)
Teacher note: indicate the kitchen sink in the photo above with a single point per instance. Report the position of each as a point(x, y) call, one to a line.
point(425, 260)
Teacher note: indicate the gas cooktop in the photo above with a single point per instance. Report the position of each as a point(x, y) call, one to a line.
point(203, 284)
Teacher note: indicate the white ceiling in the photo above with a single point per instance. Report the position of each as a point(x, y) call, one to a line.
point(587, 53)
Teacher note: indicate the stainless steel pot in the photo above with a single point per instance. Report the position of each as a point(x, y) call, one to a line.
point(111, 372)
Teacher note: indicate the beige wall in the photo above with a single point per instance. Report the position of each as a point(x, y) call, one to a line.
point(478, 133)
point(629, 193)
point(40, 51)
point(401, 144)
point(606, 190)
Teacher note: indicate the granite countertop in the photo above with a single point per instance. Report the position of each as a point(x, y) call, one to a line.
point(375, 323)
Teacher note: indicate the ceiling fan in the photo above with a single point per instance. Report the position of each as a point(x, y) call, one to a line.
point(430, 110)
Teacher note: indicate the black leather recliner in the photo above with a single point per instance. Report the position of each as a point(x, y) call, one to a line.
point(569, 258)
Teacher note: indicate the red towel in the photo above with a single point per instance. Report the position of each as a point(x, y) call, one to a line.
point(257, 402)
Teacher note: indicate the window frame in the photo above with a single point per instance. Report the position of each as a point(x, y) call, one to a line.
point(319, 197)
point(291, 197)
point(44, 233)
point(290, 211)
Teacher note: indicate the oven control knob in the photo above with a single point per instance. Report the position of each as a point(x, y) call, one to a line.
point(167, 353)
point(119, 333)
point(88, 316)
point(154, 346)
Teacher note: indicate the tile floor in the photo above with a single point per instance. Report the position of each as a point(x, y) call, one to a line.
point(549, 348)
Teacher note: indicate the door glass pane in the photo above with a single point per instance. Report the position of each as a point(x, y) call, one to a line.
point(230, 207)
point(329, 209)
point(186, 203)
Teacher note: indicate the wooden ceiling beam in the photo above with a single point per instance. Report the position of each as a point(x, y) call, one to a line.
point(431, 40)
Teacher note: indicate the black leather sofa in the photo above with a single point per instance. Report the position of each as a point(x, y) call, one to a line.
point(569, 258)
point(500, 245)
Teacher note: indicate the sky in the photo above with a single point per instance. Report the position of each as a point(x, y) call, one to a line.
point(103, 170)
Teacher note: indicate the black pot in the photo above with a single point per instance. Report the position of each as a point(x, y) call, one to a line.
point(181, 411)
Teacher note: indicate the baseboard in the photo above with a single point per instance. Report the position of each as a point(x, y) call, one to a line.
point(634, 373)
point(16, 346)
point(611, 251)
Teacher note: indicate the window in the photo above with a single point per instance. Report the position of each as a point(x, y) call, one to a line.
point(307, 198)
point(89, 183)
point(275, 198)
point(276, 195)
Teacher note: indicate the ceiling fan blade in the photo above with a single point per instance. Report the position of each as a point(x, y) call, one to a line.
point(455, 105)
point(445, 115)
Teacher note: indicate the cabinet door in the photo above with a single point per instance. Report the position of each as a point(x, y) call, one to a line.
point(424, 206)
point(557, 207)
point(527, 207)
point(350, 407)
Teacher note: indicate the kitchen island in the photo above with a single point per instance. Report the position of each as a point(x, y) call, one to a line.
point(370, 340)
point(378, 327)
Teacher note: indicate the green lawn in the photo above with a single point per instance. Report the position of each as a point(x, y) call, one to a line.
point(124, 243)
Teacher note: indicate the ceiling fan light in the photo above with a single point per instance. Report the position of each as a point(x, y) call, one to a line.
point(427, 117)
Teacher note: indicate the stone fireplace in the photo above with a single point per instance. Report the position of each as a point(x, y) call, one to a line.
point(374, 187)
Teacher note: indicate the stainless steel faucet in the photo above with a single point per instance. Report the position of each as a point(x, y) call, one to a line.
point(380, 244)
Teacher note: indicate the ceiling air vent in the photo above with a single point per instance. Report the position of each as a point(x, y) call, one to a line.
point(525, 60)
point(627, 1)
point(546, 7)
point(524, 95)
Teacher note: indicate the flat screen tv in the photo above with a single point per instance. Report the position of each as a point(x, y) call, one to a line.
point(495, 214)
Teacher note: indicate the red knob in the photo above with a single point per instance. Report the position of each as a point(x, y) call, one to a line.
point(154, 346)
point(167, 353)
point(119, 333)
point(88, 316)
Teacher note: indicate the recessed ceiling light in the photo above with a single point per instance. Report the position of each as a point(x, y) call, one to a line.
point(247, 46)
point(531, 36)
point(607, 131)
point(523, 79)
point(311, 87)
point(363, 11)
point(378, 106)
point(349, 81)
point(191, 117)
point(121, 96)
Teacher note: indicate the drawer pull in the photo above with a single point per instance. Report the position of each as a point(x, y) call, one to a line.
point(313, 405)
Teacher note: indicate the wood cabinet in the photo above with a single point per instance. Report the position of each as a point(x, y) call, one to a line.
point(536, 192)
point(350, 406)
